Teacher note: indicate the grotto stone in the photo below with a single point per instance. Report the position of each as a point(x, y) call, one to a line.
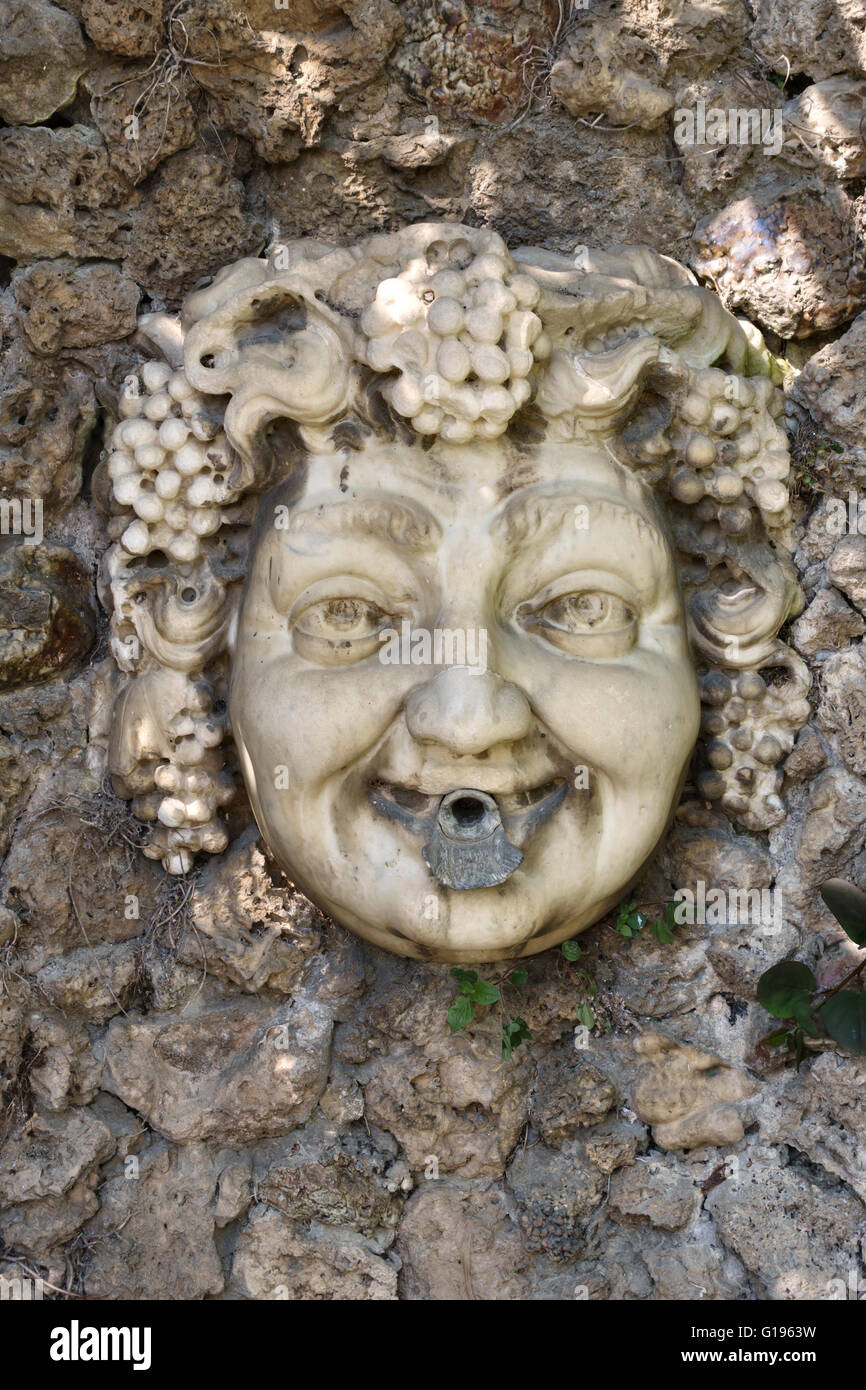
point(570, 1093)
point(556, 1192)
point(47, 615)
point(793, 1236)
point(654, 1192)
point(42, 56)
point(823, 39)
point(247, 929)
point(143, 118)
point(793, 262)
point(842, 711)
point(692, 1099)
point(819, 1111)
point(153, 1236)
point(452, 1101)
point(847, 570)
point(830, 386)
point(276, 1258)
point(828, 623)
point(49, 1153)
point(237, 1073)
point(75, 306)
point(336, 1182)
point(458, 1241)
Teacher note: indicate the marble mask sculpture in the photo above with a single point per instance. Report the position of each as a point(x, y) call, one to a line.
point(456, 542)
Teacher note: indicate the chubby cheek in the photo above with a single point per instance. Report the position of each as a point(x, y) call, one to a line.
point(313, 721)
point(631, 720)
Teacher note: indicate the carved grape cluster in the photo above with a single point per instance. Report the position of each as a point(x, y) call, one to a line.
point(733, 455)
point(188, 788)
point(169, 461)
point(750, 725)
point(464, 339)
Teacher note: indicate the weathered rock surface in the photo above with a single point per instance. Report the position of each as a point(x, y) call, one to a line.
point(457, 1241)
point(276, 1258)
point(828, 624)
point(209, 1091)
point(42, 56)
point(822, 39)
point(793, 1236)
point(153, 1236)
point(236, 1073)
point(47, 617)
point(692, 1099)
point(831, 386)
point(793, 264)
point(75, 306)
point(655, 1193)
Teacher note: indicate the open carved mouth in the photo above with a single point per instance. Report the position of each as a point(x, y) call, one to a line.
point(473, 838)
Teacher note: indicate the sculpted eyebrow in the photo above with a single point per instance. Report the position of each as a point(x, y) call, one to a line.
point(538, 518)
point(397, 522)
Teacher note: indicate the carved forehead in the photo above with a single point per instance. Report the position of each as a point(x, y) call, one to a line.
point(409, 497)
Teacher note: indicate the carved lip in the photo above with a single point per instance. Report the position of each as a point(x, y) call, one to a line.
point(468, 814)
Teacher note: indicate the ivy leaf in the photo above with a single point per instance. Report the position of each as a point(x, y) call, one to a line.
point(460, 1013)
point(844, 1017)
point(848, 906)
point(585, 1016)
point(571, 950)
point(518, 978)
point(784, 987)
point(486, 993)
point(780, 1037)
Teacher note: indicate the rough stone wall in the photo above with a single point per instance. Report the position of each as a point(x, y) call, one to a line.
point(206, 1089)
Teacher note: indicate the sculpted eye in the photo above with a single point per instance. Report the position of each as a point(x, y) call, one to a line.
point(339, 629)
point(588, 623)
point(587, 612)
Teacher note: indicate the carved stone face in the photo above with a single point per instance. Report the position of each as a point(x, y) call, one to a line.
point(462, 691)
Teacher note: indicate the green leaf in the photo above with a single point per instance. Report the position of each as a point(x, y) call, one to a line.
point(460, 1013)
point(784, 987)
point(848, 906)
point(662, 931)
point(798, 1046)
point(514, 1032)
point(585, 1016)
point(571, 950)
point(518, 978)
point(780, 1037)
point(486, 993)
point(844, 1017)
point(467, 978)
point(802, 1013)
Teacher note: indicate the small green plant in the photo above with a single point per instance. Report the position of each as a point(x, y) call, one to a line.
point(477, 993)
point(789, 990)
point(584, 1011)
point(631, 921)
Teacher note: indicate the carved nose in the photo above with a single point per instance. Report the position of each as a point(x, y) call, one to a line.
point(468, 713)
